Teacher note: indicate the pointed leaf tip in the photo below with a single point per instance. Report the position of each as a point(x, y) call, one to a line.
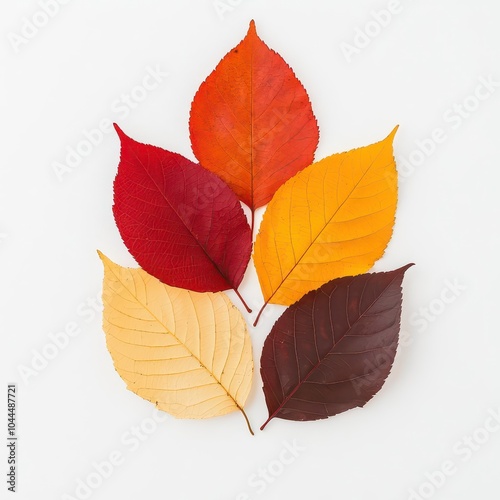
point(104, 259)
point(403, 269)
point(393, 133)
point(119, 131)
point(252, 28)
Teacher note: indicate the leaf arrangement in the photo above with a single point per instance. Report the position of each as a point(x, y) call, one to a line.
point(175, 339)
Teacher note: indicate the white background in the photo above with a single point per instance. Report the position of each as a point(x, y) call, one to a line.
point(446, 378)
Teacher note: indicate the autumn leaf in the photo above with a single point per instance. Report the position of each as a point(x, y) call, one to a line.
point(334, 218)
point(188, 353)
point(181, 223)
point(251, 121)
point(333, 349)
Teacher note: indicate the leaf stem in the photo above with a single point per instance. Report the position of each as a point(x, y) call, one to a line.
point(247, 421)
point(260, 312)
point(266, 422)
point(242, 300)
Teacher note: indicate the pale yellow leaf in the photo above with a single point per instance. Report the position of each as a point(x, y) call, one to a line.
point(332, 219)
point(188, 353)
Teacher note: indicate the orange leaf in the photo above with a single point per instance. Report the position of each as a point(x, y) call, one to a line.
point(251, 121)
point(333, 219)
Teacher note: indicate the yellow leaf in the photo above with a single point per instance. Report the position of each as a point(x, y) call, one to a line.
point(332, 219)
point(188, 353)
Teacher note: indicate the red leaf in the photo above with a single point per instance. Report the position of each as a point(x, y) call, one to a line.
point(252, 123)
point(333, 349)
point(181, 223)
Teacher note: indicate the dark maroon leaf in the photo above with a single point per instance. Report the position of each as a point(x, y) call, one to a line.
point(333, 349)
